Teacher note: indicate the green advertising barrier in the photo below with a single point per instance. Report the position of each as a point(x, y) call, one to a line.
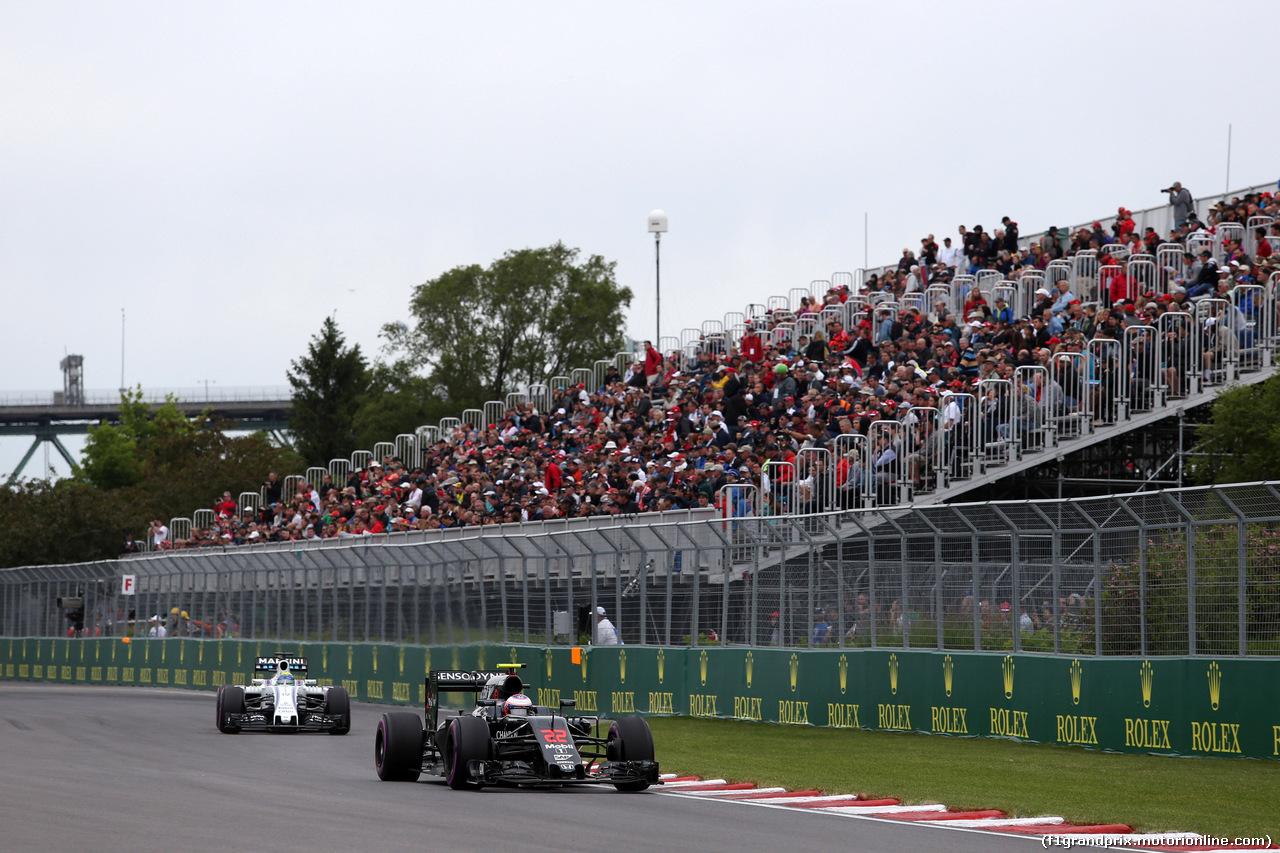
point(1171, 706)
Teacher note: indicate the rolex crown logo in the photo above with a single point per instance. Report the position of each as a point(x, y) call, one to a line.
point(479, 659)
point(751, 665)
point(795, 671)
point(844, 673)
point(1076, 671)
point(1147, 675)
point(426, 660)
point(324, 656)
point(584, 665)
point(1006, 667)
point(548, 659)
point(948, 668)
point(200, 657)
point(893, 674)
point(402, 660)
point(622, 665)
point(702, 667)
point(351, 659)
point(662, 659)
point(374, 650)
point(1215, 685)
point(219, 654)
point(515, 655)
point(456, 664)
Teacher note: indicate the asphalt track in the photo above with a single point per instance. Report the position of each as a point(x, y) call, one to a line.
point(109, 769)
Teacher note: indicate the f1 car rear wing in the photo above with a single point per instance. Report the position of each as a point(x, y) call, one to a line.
point(271, 663)
point(460, 681)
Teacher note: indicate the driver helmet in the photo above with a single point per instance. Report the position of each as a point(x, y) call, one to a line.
point(518, 704)
point(284, 678)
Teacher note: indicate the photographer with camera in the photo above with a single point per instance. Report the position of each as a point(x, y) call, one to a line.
point(159, 533)
point(1183, 204)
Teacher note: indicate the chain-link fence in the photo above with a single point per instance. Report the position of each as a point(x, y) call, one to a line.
point(1192, 571)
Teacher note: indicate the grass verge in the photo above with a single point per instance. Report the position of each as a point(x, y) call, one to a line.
point(1213, 796)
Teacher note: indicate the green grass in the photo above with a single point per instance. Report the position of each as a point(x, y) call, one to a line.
point(1212, 796)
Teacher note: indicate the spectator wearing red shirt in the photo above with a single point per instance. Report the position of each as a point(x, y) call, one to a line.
point(751, 347)
point(227, 506)
point(1264, 248)
point(1121, 285)
point(552, 476)
point(1124, 223)
point(652, 364)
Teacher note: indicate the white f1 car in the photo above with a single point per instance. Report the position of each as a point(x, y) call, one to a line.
point(283, 700)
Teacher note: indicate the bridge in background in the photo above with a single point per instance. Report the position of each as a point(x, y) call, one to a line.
point(49, 414)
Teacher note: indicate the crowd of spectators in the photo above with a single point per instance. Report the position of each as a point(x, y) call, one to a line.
point(670, 430)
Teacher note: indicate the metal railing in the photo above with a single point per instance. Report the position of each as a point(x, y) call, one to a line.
point(1192, 571)
point(199, 394)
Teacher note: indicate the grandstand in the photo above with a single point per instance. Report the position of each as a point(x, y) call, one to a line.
point(906, 385)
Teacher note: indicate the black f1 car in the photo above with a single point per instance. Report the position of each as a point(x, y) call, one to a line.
point(283, 699)
point(507, 740)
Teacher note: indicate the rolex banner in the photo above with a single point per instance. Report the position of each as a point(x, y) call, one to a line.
point(1173, 706)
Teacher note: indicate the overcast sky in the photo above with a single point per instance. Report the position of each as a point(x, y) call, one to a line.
point(229, 174)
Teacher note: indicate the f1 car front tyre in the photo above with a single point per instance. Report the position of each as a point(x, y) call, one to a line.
point(230, 701)
point(337, 701)
point(630, 740)
point(467, 740)
point(397, 747)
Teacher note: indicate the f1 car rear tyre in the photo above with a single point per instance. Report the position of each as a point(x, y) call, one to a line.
point(338, 701)
point(630, 740)
point(230, 701)
point(397, 747)
point(467, 740)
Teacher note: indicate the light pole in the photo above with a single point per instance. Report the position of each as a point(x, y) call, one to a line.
point(657, 227)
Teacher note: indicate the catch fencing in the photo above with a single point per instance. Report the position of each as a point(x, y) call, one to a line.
point(1178, 572)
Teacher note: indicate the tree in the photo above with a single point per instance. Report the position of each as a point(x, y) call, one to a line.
point(532, 314)
point(68, 521)
point(1241, 442)
point(327, 383)
point(174, 465)
point(113, 453)
point(396, 403)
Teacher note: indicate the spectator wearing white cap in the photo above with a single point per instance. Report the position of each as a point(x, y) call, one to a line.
point(606, 634)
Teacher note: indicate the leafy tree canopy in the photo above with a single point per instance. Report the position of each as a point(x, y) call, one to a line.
point(532, 314)
point(113, 453)
point(173, 465)
point(396, 403)
point(1241, 442)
